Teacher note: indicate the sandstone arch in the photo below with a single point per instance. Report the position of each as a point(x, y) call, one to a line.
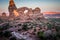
point(22, 9)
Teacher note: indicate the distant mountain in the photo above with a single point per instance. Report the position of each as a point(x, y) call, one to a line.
point(52, 14)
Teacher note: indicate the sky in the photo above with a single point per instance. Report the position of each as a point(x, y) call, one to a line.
point(44, 5)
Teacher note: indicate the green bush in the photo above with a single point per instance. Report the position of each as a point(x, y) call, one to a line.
point(40, 34)
point(7, 34)
point(25, 27)
point(1, 34)
point(13, 38)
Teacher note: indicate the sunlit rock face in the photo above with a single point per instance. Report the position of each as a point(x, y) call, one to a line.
point(11, 8)
point(16, 13)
